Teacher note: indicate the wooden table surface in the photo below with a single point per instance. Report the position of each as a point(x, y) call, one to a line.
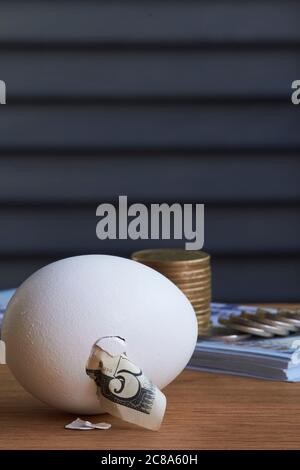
point(204, 411)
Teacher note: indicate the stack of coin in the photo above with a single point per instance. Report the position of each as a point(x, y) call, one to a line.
point(264, 323)
point(190, 271)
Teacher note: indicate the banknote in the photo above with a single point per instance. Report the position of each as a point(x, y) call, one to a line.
point(122, 388)
point(5, 296)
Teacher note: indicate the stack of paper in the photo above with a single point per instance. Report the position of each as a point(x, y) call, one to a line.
point(273, 359)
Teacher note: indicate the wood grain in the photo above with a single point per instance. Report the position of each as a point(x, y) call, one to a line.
point(205, 411)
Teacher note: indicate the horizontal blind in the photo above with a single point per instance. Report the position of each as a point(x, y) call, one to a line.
point(164, 101)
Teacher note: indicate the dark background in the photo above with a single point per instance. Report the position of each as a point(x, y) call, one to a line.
point(163, 101)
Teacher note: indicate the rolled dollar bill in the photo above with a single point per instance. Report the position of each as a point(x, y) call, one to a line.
point(122, 388)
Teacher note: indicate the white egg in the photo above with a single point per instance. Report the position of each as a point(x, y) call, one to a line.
point(59, 312)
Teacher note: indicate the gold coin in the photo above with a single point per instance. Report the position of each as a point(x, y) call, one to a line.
point(186, 275)
point(201, 307)
point(186, 280)
point(202, 314)
point(188, 287)
point(199, 303)
point(221, 333)
point(203, 303)
point(195, 285)
point(199, 289)
point(242, 325)
point(172, 269)
point(203, 317)
point(205, 310)
point(184, 265)
point(175, 271)
point(204, 320)
point(171, 257)
point(170, 254)
point(201, 292)
point(197, 298)
point(201, 300)
point(203, 326)
point(202, 311)
point(192, 285)
point(204, 323)
point(203, 330)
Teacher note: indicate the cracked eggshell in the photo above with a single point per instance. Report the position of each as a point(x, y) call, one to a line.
point(59, 312)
